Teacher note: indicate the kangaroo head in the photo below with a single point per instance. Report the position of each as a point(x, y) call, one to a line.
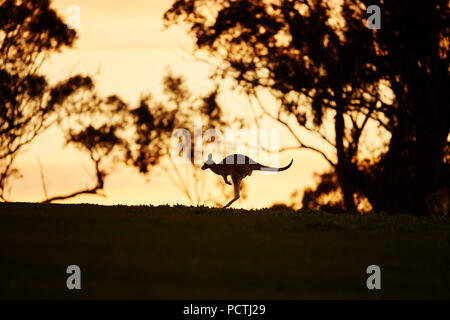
point(208, 163)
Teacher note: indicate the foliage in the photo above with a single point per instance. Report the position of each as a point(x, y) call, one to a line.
point(326, 69)
point(29, 32)
point(155, 121)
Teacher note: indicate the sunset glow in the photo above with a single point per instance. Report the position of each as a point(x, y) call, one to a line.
point(124, 46)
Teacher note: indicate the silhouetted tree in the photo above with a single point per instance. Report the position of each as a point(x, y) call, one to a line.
point(155, 121)
point(325, 196)
point(108, 130)
point(412, 53)
point(29, 32)
point(98, 127)
point(326, 66)
point(114, 133)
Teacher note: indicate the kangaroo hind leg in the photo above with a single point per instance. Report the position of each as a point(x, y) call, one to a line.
point(237, 185)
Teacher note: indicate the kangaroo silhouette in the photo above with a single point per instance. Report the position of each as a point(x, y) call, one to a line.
point(238, 167)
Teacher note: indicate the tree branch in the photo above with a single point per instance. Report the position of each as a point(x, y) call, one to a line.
point(301, 144)
point(41, 170)
point(100, 176)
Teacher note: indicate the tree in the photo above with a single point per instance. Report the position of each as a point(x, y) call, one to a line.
point(107, 129)
point(413, 55)
point(114, 133)
point(292, 50)
point(325, 67)
point(98, 127)
point(154, 123)
point(29, 32)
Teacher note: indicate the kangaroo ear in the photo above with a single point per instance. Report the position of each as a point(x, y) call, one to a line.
point(210, 157)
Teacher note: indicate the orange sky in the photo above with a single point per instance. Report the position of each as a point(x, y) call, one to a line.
point(123, 42)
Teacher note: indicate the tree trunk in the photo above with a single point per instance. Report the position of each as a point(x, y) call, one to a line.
point(413, 166)
point(431, 130)
point(344, 164)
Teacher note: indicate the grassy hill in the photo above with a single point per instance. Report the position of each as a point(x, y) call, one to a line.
point(201, 253)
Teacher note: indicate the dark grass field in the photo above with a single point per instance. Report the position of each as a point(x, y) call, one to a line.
point(202, 253)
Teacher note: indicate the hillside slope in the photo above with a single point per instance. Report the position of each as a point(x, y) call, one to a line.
point(200, 253)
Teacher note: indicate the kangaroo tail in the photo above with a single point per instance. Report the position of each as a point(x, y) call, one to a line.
point(266, 168)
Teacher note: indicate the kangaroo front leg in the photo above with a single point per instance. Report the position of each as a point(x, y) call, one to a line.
point(237, 185)
point(225, 179)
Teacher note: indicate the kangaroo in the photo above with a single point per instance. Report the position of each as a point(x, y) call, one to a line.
point(238, 167)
